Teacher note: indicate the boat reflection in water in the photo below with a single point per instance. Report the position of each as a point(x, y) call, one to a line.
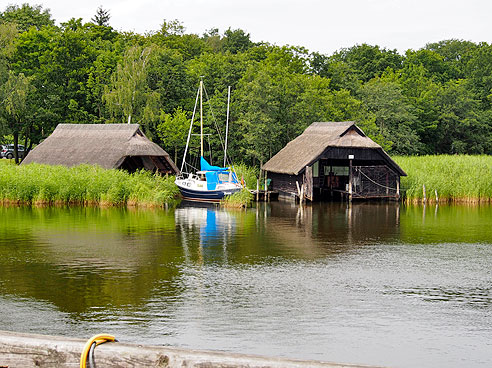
point(208, 226)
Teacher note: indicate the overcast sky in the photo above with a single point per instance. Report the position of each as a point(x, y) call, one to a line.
point(322, 26)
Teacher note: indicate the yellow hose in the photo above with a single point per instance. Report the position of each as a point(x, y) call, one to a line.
point(98, 339)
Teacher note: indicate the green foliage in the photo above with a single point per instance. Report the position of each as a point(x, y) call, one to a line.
point(247, 174)
point(173, 130)
point(129, 96)
point(26, 16)
point(84, 184)
point(369, 61)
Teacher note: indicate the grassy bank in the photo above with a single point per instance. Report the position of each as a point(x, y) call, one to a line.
point(46, 185)
point(457, 178)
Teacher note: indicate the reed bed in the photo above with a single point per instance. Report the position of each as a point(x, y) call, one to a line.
point(248, 174)
point(456, 178)
point(38, 184)
point(241, 199)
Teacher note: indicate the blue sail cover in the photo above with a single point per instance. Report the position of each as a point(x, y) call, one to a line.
point(205, 166)
point(212, 180)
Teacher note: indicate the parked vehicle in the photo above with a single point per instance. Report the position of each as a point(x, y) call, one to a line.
point(7, 151)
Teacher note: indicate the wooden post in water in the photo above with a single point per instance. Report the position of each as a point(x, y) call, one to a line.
point(298, 191)
point(423, 191)
point(437, 198)
point(398, 188)
point(350, 178)
point(257, 190)
point(266, 188)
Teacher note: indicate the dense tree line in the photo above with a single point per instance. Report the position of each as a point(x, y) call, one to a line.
point(434, 100)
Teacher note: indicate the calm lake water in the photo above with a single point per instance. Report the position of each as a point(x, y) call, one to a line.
point(378, 284)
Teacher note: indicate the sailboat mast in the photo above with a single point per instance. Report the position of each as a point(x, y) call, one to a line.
point(201, 118)
point(227, 124)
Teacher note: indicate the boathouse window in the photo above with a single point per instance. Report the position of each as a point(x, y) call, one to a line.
point(316, 169)
point(336, 170)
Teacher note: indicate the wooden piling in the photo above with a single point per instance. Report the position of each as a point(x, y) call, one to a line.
point(30, 351)
point(257, 190)
point(266, 187)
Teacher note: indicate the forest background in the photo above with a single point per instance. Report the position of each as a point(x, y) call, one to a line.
point(435, 100)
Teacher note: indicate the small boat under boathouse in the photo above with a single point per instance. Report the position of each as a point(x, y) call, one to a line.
point(333, 161)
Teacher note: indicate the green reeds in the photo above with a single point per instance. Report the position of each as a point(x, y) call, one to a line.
point(46, 185)
point(248, 174)
point(241, 199)
point(456, 178)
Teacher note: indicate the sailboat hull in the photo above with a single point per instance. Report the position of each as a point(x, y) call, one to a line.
point(205, 196)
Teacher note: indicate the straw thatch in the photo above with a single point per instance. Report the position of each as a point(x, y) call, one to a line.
point(306, 148)
point(110, 146)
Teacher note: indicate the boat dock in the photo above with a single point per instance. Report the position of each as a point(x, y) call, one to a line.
point(29, 350)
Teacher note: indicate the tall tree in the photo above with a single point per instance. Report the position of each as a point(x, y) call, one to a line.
point(128, 95)
point(102, 17)
point(14, 106)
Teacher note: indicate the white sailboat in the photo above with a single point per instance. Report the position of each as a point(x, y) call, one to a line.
point(209, 183)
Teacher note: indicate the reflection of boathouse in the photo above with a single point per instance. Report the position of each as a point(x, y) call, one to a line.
point(331, 161)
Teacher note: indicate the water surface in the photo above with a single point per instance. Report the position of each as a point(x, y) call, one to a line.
point(378, 284)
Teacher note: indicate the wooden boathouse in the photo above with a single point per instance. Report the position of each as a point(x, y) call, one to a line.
point(331, 161)
point(111, 146)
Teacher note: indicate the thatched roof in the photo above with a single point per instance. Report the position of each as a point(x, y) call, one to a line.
point(306, 148)
point(106, 145)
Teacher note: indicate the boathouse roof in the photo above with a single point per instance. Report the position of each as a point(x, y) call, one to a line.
point(316, 139)
point(110, 146)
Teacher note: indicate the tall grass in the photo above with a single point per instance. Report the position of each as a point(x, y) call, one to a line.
point(84, 184)
point(247, 173)
point(461, 178)
point(241, 199)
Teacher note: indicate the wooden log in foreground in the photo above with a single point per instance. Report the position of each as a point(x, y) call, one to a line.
point(28, 350)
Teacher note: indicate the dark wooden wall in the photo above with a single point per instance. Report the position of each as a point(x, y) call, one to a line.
point(284, 183)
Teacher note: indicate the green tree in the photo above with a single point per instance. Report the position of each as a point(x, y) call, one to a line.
point(102, 17)
point(128, 96)
point(394, 115)
point(173, 130)
point(14, 106)
point(340, 73)
point(27, 16)
point(369, 61)
point(479, 73)
point(236, 41)
point(462, 128)
point(455, 53)
point(8, 35)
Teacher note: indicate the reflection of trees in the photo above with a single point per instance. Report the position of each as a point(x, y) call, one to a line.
point(82, 258)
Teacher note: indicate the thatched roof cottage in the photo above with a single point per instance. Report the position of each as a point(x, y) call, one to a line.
point(333, 160)
point(111, 146)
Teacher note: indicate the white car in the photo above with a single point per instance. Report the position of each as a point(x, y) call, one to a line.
point(7, 151)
